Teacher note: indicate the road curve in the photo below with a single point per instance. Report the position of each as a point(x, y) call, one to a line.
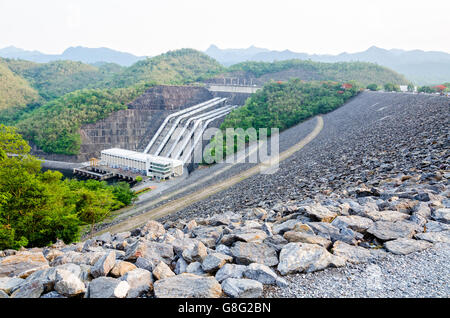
point(201, 194)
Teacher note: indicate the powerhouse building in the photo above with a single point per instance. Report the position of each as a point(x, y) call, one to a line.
point(141, 163)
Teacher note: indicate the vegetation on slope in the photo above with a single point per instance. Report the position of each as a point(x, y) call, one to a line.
point(55, 79)
point(280, 105)
point(174, 68)
point(15, 91)
point(54, 127)
point(37, 208)
point(442, 88)
point(362, 72)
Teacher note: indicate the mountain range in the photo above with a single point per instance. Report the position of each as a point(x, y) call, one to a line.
point(421, 67)
point(78, 53)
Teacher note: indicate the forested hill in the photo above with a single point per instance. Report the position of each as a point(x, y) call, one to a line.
point(362, 72)
point(174, 67)
point(52, 80)
point(14, 89)
point(55, 79)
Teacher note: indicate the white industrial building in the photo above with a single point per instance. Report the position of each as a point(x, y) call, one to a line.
point(141, 163)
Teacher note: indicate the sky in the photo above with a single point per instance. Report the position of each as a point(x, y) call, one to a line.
point(151, 27)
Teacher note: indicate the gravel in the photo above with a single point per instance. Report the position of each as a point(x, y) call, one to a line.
point(374, 136)
point(422, 274)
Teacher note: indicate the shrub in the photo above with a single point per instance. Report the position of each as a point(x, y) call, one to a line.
point(372, 87)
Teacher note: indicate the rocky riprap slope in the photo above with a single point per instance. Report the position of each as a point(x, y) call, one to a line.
point(236, 254)
point(373, 137)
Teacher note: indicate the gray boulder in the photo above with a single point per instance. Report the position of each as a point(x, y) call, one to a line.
point(320, 213)
point(68, 284)
point(354, 222)
point(434, 226)
point(288, 225)
point(230, 271)
point(195, 254)
point(180, 266)
point(139, 281)
point(387, 215)
point(22, 264)
point(261, 273)
point(104, 238)
point(52, 294)
point(104, 265)
point(247, 253)
point(108, 287)
point(153, 230)
point(385, 230)
point(223, 249)
point(434, 237)
point(355, 254)
point(187, 286)
point(442, 215)
point(294, 236)
point(162, 271)
point(144, 263)
point(304, 257)
point(7, 284)
point(153, 251)
point(33, 289)
point(121, 268)
point(403, 246)
point(213, 262)
point(195, 268)
point(242, 288)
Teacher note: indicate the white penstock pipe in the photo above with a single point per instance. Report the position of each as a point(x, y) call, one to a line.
point(166, 120)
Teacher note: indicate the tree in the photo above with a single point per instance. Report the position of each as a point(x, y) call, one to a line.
point(425, 89)
point(123, 193)
point(37, 208)
point(32, 204)
point(372, 87)
point(94, 206)
point(390, 87)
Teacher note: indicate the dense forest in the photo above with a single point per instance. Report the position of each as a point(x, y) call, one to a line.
point(362, 72)
point(174, 67)
point(48, 102)
point(37, 208)
point(54, 127)
point(280, 105)
point(55, 79)
point(15, 91)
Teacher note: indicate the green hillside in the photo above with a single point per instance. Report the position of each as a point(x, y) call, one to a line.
point(362, 72)
point(55, 79)
point(279, 105)
point(54, 127)
point(15, 91)
point(174, 67)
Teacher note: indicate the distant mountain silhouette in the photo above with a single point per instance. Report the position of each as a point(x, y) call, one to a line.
point(79, 53)
point(421, 67)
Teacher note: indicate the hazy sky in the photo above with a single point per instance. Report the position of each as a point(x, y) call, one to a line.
point(155, 26)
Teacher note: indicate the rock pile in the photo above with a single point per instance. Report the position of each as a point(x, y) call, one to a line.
point(236, 253)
